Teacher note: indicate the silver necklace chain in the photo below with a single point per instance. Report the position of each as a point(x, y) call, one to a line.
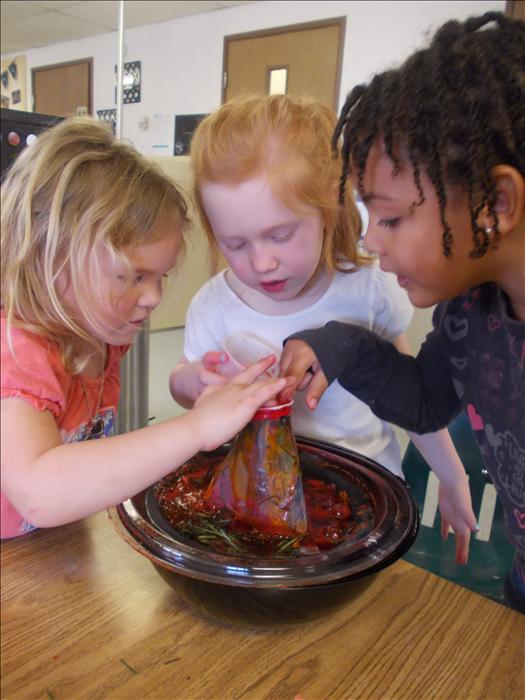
point(96, 424)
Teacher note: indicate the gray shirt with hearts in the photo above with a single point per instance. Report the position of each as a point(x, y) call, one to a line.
point(473, 359)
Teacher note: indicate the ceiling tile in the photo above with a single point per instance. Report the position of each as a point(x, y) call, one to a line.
point(13, 11)
point(50, 28)
point(97, 12)
point(32, 23)
point(56, 4)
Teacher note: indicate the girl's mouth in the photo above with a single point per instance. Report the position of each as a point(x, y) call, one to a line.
point(274, 287)
point(402, 281)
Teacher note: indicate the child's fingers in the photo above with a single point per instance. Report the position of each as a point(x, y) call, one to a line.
point(296, 360)
point(212, 386)
point(316, 389)
point(445, 527)
point(223, 412)
point(212, 358)
point(470, 521)
point(462, 545)
point(461, 535)
point(210, 378)
point(286, 395)
point(305, 381)
point(251, 373)
point(261, 392)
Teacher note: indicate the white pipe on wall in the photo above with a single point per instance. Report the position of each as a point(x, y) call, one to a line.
point(120, 68)
point(133, 408)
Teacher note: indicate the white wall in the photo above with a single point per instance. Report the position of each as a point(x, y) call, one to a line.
point(182, 59)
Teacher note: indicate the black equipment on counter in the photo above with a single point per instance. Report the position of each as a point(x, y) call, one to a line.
point(18, 130)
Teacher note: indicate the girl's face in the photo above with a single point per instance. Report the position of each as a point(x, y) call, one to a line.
point(269, 247)
point(126, 296)
point(131, 301)
point(408, 238)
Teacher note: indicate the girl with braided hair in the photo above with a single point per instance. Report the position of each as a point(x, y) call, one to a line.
point(436, 150)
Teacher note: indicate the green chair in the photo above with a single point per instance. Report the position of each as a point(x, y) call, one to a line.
point(490, 552)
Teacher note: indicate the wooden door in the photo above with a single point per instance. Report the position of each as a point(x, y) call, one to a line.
point(63, 89)
point(515, 9)
point(309, 57)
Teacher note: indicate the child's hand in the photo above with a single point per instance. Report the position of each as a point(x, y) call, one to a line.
point(300, 362)
point(208, 370)
point(455, 507)
point(189, 379)
point(221, 412)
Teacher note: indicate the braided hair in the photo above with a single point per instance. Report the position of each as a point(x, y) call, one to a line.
point(456, 109)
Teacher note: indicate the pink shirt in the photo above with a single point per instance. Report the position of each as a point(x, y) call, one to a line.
point(36, 375)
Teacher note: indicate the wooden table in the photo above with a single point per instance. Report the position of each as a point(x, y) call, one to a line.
point(85, 616)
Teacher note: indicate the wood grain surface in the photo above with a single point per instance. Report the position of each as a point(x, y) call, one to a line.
point(84, 616)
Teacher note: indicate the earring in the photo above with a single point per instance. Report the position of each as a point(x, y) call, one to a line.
point(488, 230)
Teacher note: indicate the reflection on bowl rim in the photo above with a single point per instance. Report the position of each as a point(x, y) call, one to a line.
point(200, 562)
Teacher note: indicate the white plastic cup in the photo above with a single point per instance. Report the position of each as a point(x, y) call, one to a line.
point(243, 349)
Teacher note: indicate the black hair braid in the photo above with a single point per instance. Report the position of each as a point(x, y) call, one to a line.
point(454, 109)
point(483, 192)
point(367, 126)
point(472, 24)
point(388, 100)
point(362, 123)
point(351, 100)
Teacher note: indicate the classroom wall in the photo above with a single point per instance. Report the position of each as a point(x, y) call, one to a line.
point(182, 64)
point(182, 59)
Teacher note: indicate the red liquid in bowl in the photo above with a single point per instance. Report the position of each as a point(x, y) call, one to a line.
point(332, 515)
point(274, 590)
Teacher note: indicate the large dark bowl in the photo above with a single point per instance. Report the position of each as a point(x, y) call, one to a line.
point(281, 591)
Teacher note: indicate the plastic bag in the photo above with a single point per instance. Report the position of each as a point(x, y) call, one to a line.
point(260, 478)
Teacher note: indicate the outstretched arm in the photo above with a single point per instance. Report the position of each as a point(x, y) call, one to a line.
point(51, 483)
point(415, 393)
point(455, 502)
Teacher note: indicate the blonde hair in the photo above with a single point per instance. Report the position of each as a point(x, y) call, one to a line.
point(74, 188)
point(290, 141)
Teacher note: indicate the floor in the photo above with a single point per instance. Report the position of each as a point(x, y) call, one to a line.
point(166, 347)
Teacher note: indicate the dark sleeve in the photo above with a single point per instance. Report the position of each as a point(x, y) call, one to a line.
point(415, 393)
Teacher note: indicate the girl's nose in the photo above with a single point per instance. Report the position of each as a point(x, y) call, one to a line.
point(373, 241)
point(151, 295)
point(263, 260)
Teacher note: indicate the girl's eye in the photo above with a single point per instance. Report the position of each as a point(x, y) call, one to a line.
point(389, 223)
point(283, 238)
point(138, 279)
point(232, 247)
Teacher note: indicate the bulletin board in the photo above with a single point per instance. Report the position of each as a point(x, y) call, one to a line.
point(13, 84)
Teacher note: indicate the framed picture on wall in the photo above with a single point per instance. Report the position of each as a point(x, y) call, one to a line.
point(185, 125)
point(13, 84)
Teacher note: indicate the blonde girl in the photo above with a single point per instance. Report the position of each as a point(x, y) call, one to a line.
point(266, 185)
point(89, 230)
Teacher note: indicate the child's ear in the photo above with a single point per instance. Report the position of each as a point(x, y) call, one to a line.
point(510, 199)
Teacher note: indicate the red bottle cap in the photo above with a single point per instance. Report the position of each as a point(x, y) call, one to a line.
point(273, 412)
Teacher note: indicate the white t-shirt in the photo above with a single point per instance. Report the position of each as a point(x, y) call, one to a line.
point(368, 297)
